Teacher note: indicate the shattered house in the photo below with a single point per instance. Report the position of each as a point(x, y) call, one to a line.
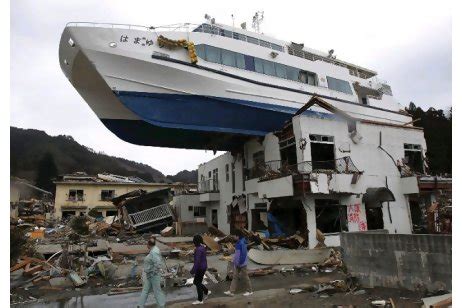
point(324, 170)
point(143, 211)
point(79, 193)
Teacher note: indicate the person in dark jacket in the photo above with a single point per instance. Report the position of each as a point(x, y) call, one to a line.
point(240, 261)
point(199, 268)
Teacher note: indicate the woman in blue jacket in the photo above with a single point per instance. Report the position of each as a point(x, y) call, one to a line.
point(199, 268)
point(240, 261)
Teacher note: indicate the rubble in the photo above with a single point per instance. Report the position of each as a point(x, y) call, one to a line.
point(83, 252)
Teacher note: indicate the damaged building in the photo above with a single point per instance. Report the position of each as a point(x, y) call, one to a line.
point(78, 193)
point(324, 170)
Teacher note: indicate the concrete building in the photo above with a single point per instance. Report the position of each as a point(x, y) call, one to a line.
point(323, 170)
point(78, 193)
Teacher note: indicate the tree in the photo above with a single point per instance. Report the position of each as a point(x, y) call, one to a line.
point(46, 172)
point(438, 135)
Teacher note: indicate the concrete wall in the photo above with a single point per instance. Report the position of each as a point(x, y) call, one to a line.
point(411, 261)
point(182, 204)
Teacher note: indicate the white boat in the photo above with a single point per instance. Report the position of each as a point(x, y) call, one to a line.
point(244, 83)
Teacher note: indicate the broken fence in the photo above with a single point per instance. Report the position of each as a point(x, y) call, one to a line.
point(150, 215)
point(339, 165)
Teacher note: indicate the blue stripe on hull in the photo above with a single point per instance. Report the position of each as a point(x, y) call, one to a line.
point(205, 113)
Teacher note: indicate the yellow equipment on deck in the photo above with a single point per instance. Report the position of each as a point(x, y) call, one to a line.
point(170, 44)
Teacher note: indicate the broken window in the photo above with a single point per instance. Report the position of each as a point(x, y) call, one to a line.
point(215, 218)
point(413, 156)
point(107, 195)
point(417, 215)
point(66, 214)
point(199, 211)
point(258, 165)
point(322, 152)
point(259, 219)
point(374, 216)
point(233, 176)
point(330, 216)
point(75, 195)
point(288, 151)
point(258, 158)
point(243, 172)
point(215, 179)
point(111, 213)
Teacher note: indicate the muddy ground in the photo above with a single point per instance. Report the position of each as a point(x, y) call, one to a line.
point(270, 291)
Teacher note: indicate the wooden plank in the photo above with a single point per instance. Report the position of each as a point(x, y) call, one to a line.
point(20, 265)
point(210, 242)
point(30, 271)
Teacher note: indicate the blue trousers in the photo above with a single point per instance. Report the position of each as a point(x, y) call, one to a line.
point(152, 283)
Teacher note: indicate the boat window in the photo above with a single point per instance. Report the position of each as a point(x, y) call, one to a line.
point(277, 47)
point(252, 40)
point(227, 33)
point(249, 63)
point(307, 77)
point(292, 73)
point(311, 79)
point(212, 54)
point(281, 70)
point(234, 59)
point(206, 28)
point(240, 61)
point(198, 29)
point(268, 68)
point(200, 51)
point(339, 85)
point(265, 44)
point(258, 65)
point(239, 36)
point(228, 58)
point(215, 30)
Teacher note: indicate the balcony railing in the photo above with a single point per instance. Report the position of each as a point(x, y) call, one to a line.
point(75, 199)
point(272, 169)
point(210, 185)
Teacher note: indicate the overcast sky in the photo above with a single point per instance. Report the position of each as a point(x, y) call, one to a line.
point(409, 46)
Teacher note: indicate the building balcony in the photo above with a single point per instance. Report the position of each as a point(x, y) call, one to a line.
point(208, 186)
point(276, 188)
point(332, 176)
point(209, 190)
point(75, 199)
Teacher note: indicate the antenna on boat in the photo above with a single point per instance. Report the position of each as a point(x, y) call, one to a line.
point(257, 19)
point(232, 17)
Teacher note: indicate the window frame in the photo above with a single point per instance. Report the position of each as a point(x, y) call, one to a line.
point(107, 190)
point(332, 82)
point(199, 209)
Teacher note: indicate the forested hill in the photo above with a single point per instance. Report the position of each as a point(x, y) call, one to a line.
point(30, 148)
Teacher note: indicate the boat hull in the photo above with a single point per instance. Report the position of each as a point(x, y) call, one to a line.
point(168, 102)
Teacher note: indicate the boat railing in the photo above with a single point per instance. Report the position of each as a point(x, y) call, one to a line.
point(182, 27)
